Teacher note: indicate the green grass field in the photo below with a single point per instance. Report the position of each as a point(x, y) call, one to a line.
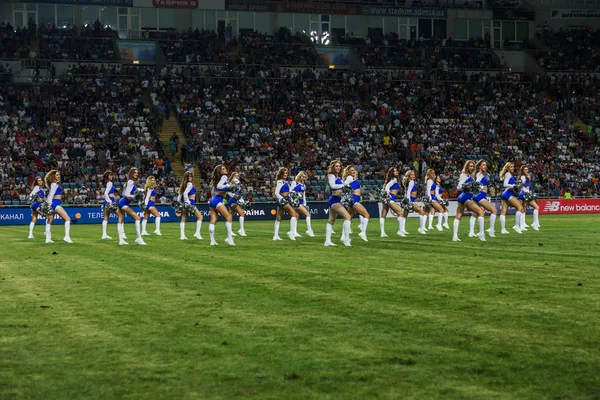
point(516, 317)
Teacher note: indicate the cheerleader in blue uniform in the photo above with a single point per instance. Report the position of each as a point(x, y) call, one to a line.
point(220, 187)
point(481, 176)
point(125, 208)
point(509, 198)
point(299, 187)
point(334, 179)
point(410, 192)
point(109, 198)
point(187, 195)
point(149, 207)
point(431, 194)
point(438, 190)
point(465, 200)
point(392, 187)
point(350, 178)
point(282, 189)
point(232, 203)
point(528, 188)
point(54, 199)
point(37, 194)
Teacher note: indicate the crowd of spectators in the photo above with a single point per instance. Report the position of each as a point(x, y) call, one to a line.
point(569, 49)
point(296, 118)
point(391, 52)
point(196, 46)
point(386, 51)
point(15, 43)
point(377, 120)
point(279, 49)
point(91, 42)
point(579, 95)
point(257, 119)
point(82, 125)
point(95, 42)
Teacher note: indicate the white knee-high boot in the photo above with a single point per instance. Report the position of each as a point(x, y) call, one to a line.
point(328, 233)
point(472, 221)
point(182, 231)
point(455, 226)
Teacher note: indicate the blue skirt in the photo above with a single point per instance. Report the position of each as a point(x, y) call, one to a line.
point(507, 194)
point(464, 197)
point(334, 200)
point(123, 202)
point(480, 196)
point(215, 201)
point(55, 203)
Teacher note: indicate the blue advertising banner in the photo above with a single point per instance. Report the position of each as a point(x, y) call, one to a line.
point(338, 56)
point(131, 50)
point(261, 212)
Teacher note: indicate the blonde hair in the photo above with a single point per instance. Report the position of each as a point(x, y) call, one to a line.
point(505, 169)
point(346, 171)
point(465, 169)
point(330, 170)
point(301, 175)
point(151, 178)
point(184, 181)
point(429, 175)
point(50, 177)
point(406, 177)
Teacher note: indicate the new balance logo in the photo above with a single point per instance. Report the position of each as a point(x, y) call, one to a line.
point(552, 206)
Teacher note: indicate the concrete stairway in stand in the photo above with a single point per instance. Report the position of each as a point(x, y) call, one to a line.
point(234, 52)
point(579, 124)
point(169, 127)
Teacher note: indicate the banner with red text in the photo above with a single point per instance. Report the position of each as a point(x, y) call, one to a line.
point(185, 4)
point(571, 206)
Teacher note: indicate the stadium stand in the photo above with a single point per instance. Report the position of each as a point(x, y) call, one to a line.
point(269, 107)
point(391, 52)
point(14, 43)
point(570, 50)
point(83, 125)
point(197, 47)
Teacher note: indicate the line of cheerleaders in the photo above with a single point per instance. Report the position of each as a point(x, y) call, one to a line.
point(224, 203)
